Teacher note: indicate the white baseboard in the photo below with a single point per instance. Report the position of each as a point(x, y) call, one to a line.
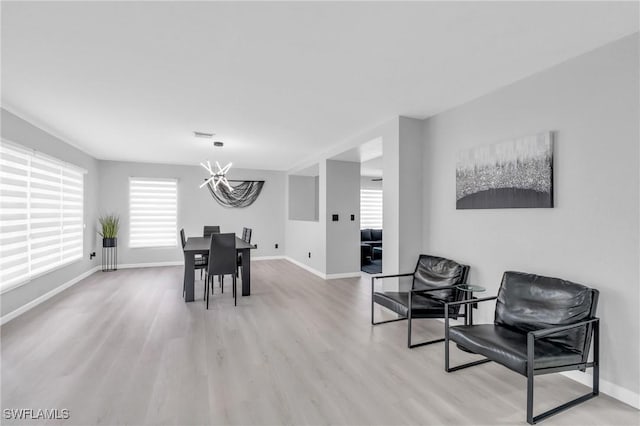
point(615, 391)
point(321, 274)
point(343, 275)
point(267, 258)
point(307, 267)
point(35, 302)
point(151, 264)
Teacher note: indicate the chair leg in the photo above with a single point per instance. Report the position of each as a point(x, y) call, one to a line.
point(595, 364)
point(384, 322)
point(222, 283)
point(409, 314)
point(415, 345)
point(447, 367)
point(235, 291)
point(530, 376)
point(206, 292)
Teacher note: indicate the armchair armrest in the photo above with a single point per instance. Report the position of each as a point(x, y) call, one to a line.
point(532, 336)
point(375, 277)
point(466, 302)
point(538, 334)
point(461, 302)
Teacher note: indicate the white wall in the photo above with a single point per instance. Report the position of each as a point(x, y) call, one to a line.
point(306, 241)
point(592, 235)
point(410, 170)
point(303, 197)
point(367, 183)
point(343, 199)
point(20, 131)
point(315, 234)
point(196, 208)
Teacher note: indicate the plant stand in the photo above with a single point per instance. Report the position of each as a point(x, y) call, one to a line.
point(109, 254)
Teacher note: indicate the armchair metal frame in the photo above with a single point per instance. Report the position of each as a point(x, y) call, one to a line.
point(410, 316)
point(593, 329)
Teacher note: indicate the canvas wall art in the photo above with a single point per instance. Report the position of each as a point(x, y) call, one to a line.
point(512, 174)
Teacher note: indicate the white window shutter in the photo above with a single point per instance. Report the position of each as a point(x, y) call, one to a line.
point(153, 212)
point(371, 208)
point(41, 214)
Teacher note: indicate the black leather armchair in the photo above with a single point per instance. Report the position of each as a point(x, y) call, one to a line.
point(434, 283)
point(542, 325)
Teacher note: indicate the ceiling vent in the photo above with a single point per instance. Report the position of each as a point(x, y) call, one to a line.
point(203, 135)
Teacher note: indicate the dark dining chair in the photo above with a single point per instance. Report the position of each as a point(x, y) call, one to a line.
point(199, 263)
point(246, 237)
point(222, 261)
point(208, 230)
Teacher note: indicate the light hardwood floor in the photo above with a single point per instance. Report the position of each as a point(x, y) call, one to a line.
point(123, 348)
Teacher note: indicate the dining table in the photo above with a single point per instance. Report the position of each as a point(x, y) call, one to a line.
point(201, 245)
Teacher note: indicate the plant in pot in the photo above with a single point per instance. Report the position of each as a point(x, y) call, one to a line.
point(110, 224)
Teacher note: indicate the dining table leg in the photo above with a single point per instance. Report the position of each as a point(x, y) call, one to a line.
point(189, 272)
point(246, 272)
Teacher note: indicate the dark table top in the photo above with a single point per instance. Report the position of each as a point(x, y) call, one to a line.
point(202, 244)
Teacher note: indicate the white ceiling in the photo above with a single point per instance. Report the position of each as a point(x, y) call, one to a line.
point(277, 82)
point(362, 153)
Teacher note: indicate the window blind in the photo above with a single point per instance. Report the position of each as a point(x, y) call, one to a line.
point(371, 208)
point(41, 214)
point(153, 208)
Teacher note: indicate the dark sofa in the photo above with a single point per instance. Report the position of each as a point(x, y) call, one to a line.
point(369, 238)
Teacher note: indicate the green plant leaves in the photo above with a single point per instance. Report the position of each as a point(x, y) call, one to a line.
point(110, 224)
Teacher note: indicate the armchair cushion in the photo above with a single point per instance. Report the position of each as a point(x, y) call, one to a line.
point(528, 302)
point(509, 347)
point(432, 272)
point(376, 234)
point(423, 307)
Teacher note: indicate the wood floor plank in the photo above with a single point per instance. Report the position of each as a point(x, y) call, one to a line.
point(122, 348)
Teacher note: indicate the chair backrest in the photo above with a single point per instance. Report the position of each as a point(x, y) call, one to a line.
point(183, 238)
point(246, 235)
point(528, 302)
point(432, 272)
point(222, 254)
point(208, 230)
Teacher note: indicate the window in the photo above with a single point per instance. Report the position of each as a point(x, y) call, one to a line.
point(371, 208)
point(41, 214)
point(153, 207)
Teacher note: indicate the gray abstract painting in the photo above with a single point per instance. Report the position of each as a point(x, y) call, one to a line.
point(512, 174)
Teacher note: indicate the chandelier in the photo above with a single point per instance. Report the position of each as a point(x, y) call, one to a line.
point(218, 177)
point(241, 194)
